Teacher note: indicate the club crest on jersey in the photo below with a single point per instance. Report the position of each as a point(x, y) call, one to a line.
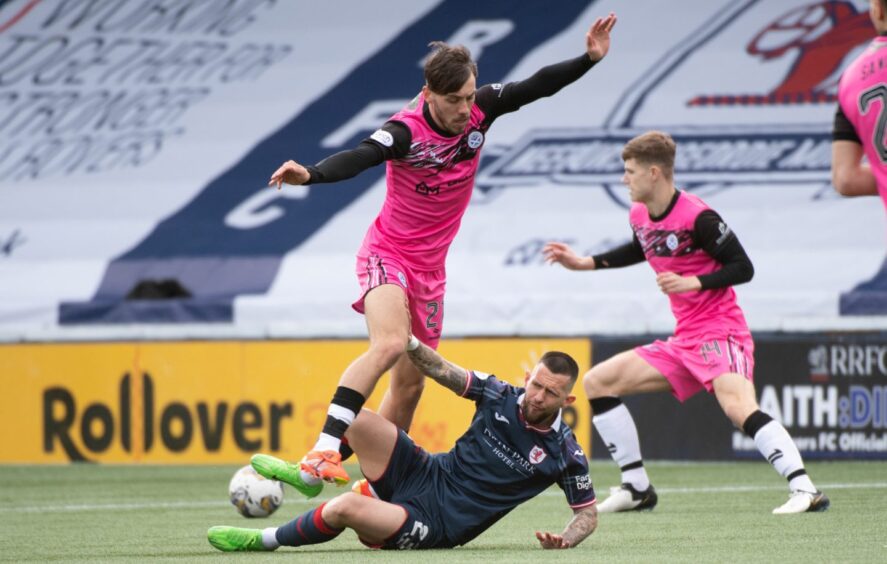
point(671, 241)
point(475, 139)
point(537, 455)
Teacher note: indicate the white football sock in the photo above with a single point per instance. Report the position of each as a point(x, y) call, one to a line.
point(777, 446)
point(269, 538)
point(616, 427)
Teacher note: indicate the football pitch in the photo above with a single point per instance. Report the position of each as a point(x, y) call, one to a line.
point(715, 512)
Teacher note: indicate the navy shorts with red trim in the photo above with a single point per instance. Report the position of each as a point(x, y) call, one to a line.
point(411, 481)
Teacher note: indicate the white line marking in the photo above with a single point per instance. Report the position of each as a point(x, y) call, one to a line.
point(742, 489)
point(299, 500)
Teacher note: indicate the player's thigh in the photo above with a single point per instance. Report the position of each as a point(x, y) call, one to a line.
point(624, 374)
point(372, 437)
point(372, 519)
point(387, 313)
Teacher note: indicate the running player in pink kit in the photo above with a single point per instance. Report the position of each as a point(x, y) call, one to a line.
point(697, 260)
point(861, 118)
point(432, 148)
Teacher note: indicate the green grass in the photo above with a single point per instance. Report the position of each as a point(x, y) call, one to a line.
point(706, 513)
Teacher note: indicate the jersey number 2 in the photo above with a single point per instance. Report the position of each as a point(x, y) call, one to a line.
point(878, 92)
point(432, 308)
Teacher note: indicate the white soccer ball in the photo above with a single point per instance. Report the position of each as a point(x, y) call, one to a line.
point(254, 495)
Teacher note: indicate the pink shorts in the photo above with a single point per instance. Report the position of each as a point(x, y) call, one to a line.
point(690, 365)
point(425, 292)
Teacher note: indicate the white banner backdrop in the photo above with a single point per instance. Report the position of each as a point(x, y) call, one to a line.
point(124, 124)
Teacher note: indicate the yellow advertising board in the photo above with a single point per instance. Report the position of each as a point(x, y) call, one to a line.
point(220, 401)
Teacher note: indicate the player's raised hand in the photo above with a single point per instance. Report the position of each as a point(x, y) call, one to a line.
point(555, 252)
point(597, 40)
point(672, 283)
point(289, 172)
point(550, 540)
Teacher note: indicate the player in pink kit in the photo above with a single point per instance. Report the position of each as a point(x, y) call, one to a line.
point(697, 260)
point(861, 118)
point(432, 148)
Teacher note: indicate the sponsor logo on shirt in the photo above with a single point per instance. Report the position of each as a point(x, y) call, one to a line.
point(502, 418)
point(509, 456)
point(583, 482)
point(426, 190)
point(725, 232)
point(382, 137)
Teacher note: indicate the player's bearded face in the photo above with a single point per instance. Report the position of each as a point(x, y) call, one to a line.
point(452, 111)
point(544, 396)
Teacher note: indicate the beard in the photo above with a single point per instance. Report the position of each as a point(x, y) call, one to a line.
point(534, 417)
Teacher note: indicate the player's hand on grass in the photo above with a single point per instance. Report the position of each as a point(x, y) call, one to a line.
point(562, 254)
point(289, 172)
point(672, 283)
point(597, 40)
point(549, 540)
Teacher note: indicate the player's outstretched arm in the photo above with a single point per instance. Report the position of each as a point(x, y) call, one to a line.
point(563, 255)
point(549, 80)
point(289, 172)
point(583, 523)
point(391, 141)
point(437, 367)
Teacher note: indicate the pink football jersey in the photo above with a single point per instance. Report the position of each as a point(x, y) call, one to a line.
point(428, 190)
point(669, 247)
point(862, 93)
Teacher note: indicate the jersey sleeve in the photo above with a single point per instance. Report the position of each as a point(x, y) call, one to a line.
point(843, 130)
point(498, 99)
point(482, 386)
point(575, 480)
point(719, 241)
point(391, 141)
point(624, 255)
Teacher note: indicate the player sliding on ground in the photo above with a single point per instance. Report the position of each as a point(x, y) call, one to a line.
point(697, 260)
point(432, 148)
point(516, 447)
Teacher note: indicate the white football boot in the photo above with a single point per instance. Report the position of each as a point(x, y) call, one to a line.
point(800, 502)
point(627, 498)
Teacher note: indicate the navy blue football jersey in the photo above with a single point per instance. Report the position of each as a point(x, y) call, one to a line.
point(501, 461)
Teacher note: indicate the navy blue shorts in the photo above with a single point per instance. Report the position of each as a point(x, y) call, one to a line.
point(410, 481)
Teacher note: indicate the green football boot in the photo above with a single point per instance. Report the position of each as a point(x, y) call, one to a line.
point(235, 539)
point(276, 469)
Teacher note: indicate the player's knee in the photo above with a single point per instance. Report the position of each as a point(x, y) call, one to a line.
point(340, 510)
point(388, 349)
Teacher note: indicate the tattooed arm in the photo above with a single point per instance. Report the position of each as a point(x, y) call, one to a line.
point(583, 523)
point(437, 367)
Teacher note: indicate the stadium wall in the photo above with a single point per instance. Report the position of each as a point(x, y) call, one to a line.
point(220, 401)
